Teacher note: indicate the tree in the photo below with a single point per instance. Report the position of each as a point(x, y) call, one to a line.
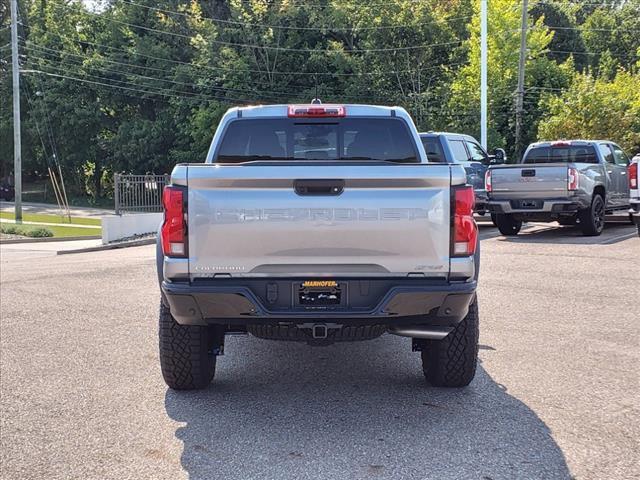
point(504, 46)
point(596, 108)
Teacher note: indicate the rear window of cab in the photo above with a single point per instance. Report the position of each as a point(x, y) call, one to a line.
point(350, 139)
point(561, 154)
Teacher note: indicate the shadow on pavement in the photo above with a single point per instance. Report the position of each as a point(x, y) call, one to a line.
point(614, 232)
point(362, 410)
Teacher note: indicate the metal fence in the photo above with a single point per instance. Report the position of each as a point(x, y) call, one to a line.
point(138, 193)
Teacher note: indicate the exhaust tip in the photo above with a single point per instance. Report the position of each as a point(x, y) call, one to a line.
point(421, 331)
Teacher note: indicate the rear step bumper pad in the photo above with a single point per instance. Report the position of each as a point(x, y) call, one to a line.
point(444, 305)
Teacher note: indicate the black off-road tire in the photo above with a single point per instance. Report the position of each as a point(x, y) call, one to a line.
point(452, 361)
point(592, 218)
point(186, 356)
point(493, 220)
point(508, 225)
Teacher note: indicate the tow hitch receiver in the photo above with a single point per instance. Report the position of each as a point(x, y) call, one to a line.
point(319, 331)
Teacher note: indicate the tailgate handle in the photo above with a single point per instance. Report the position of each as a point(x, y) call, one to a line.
point(318, 187)
point(530, 172)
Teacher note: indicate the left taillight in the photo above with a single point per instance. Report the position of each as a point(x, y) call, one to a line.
point(464, 235)
point(174, 230)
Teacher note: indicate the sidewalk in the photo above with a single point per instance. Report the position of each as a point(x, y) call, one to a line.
point(45, 224)
point(49, 209)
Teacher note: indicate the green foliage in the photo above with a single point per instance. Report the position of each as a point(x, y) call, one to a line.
point(39, 232)
point(596, 108)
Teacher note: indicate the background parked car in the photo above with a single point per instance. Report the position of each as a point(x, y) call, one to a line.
point(7, 191)
point(443, 147)
point(573, 181)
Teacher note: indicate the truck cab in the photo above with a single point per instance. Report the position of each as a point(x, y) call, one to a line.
point(445, 147)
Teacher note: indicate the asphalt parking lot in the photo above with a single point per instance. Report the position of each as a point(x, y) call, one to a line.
point(557, 393)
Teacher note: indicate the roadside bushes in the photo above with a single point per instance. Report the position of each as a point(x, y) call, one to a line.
point(26, 232)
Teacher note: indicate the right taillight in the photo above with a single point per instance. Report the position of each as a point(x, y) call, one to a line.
point(487, 181)
point(572, 179)
point(464, 236)
point(173, 231)
point(633, 176)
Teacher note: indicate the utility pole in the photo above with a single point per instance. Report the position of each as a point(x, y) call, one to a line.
point(483, 73)
point(17, 145)
point(520, 90)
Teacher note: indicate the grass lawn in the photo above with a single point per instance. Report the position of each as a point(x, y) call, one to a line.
point(57, 231)
point(37, 217)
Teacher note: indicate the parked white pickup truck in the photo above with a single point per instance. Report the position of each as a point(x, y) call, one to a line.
point(318, 223)
point(634, 190)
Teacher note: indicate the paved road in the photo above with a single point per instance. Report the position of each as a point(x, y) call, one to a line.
point(556, 395)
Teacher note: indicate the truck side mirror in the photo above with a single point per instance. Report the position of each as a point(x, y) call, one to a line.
point(499, 156)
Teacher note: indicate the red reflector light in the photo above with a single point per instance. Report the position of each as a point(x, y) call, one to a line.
point(465, 230)
point(633, 176)
point(572, 179)
point(316, 111)
point(173, 231)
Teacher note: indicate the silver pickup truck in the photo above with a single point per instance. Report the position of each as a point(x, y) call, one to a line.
point(570, 182)
point(317, 223)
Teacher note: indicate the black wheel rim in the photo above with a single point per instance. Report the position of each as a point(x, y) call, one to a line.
point(598, 215)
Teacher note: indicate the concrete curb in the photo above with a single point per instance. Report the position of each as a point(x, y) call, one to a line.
point(50, 239)
point(133, 243)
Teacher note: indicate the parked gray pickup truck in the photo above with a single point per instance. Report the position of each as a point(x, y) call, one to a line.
point(444, 147)
point(318, 223)
point(571, 182)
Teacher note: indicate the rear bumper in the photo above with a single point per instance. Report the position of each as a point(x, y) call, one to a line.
point(481, 201)
point(551, 207)
point(400, 301)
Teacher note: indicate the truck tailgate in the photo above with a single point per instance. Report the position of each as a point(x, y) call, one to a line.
point(270, 220)
point(529, 181)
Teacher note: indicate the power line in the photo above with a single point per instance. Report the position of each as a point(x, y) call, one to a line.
point(588, 53)
point(585, 29)
point(234, 70)
point(269, 93)
point(291, 27)
point(31, 103)
point(320, 5)
point(580, 4)
point(149, 88)
point(162, 92)
point(270, 47)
